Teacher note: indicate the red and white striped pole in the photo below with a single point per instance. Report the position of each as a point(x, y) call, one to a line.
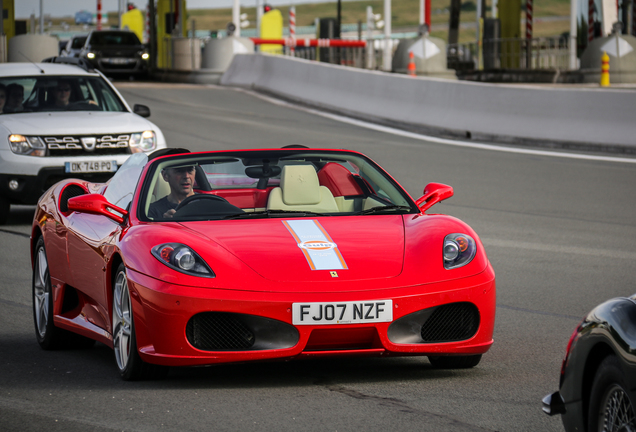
point(99, 14)
point(292, 26)
point(528, 20)
point(590, 20)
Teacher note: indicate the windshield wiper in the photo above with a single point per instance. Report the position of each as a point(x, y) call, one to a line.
point(379, 209)
point(267, 213)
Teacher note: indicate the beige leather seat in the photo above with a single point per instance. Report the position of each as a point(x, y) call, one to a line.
point(160, 189)
point(299, 190)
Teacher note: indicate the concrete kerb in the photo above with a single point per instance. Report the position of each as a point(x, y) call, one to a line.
point(579, 119)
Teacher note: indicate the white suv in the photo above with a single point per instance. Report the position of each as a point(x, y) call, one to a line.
point(63, 121)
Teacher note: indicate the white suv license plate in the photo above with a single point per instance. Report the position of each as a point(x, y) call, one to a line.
point(355, 312)
point(90, 166)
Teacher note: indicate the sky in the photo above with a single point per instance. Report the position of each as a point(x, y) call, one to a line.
point(60, 8)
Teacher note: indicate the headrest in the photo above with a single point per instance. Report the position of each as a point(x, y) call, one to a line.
point(299, 184)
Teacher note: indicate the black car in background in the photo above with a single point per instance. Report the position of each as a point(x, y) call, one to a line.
point(116, 52)
point(597, 389)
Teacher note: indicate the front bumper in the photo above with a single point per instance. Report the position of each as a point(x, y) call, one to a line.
point(571, 412)
point(35, 176)
point(162, 312)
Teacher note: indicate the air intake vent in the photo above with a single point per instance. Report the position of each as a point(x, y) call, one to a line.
point(69, 192)
point(451, 322)
point(219, 331)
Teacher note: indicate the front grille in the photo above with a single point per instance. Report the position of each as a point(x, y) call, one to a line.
point(219, 331)
point(87, 145)
point(451, 322)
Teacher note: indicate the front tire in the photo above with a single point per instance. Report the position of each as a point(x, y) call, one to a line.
point(610, 409)
point(48, 336)
point(454, 362)
point(130, 365)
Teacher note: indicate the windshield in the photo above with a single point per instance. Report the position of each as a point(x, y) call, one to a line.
point(249, 185)
point(114, 38)
point(59, 93)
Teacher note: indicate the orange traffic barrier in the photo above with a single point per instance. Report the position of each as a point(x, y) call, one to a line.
point(411, 67)
point(605, 80)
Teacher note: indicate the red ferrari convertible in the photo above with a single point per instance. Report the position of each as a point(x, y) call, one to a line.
point(186, 259)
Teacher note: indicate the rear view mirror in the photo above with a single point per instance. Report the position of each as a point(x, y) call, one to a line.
point(96, 204)
point(434, 193)
point(141, 110)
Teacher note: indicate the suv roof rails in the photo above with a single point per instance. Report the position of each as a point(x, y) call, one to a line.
point(76, 61)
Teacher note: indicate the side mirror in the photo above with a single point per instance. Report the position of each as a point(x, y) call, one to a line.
point(141, 110)
point(434, 193)
point(96, 204)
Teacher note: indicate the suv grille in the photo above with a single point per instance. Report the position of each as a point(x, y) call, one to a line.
point(87, 145)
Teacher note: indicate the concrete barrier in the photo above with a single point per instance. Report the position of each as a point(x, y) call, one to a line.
point(574, 118)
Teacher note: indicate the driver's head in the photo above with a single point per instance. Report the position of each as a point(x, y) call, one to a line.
point(62, 92)
point(181, 180)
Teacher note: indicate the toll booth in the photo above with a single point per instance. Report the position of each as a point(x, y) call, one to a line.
point(171, 23)
point(510, 28)
point(272, 28)
point(134, 20)
point(8, 27)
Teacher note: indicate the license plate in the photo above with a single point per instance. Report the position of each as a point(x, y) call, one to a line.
point(355, 312)
point(117, 61)
point(90, 166)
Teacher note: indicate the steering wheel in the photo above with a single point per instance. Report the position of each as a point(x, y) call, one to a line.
point(197, 197)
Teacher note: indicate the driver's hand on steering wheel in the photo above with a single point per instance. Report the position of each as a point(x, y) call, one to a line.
point(169, 213)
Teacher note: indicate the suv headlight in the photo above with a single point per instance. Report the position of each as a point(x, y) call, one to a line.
point(143, 142)
point(27, 145)
point(459, 250)
point(144, 55)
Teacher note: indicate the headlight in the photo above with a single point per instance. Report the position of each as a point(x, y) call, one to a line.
point(145, 141)
point(27, 145)
point(459, 250)
point(145, 56)
point(183, 259)
point(90, 55)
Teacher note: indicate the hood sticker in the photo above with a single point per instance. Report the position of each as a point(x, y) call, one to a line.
point(314, 242)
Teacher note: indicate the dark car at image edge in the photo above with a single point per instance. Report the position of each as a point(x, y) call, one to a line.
point(597, 388)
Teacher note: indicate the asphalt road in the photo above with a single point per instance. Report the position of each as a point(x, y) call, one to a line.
point(559, 232)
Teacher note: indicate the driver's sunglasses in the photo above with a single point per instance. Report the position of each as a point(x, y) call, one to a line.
point(63, 89)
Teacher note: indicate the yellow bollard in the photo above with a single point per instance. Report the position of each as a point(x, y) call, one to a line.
point(605, 81)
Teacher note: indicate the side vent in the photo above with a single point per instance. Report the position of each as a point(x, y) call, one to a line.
point(70, 191)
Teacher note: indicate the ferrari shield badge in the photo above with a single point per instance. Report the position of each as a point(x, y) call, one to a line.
point(316, 244)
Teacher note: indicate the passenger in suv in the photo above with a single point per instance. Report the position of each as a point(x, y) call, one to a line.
point(88, 138)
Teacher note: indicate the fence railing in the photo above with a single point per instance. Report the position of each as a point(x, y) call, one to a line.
point(533, 54)
point(509, 53)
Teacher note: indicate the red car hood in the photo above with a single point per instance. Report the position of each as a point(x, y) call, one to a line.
point(308, 250)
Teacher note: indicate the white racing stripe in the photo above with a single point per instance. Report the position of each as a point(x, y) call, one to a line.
point(406, 134)
point(314, 242)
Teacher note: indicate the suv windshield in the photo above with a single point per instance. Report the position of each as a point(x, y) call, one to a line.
point(114, 38)
point(59, 93)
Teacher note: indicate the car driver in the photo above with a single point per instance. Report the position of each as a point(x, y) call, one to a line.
point(181, 181)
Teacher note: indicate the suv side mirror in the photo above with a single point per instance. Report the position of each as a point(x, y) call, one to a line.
point(96, 204)
point(141, 110)
point(434, 193)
